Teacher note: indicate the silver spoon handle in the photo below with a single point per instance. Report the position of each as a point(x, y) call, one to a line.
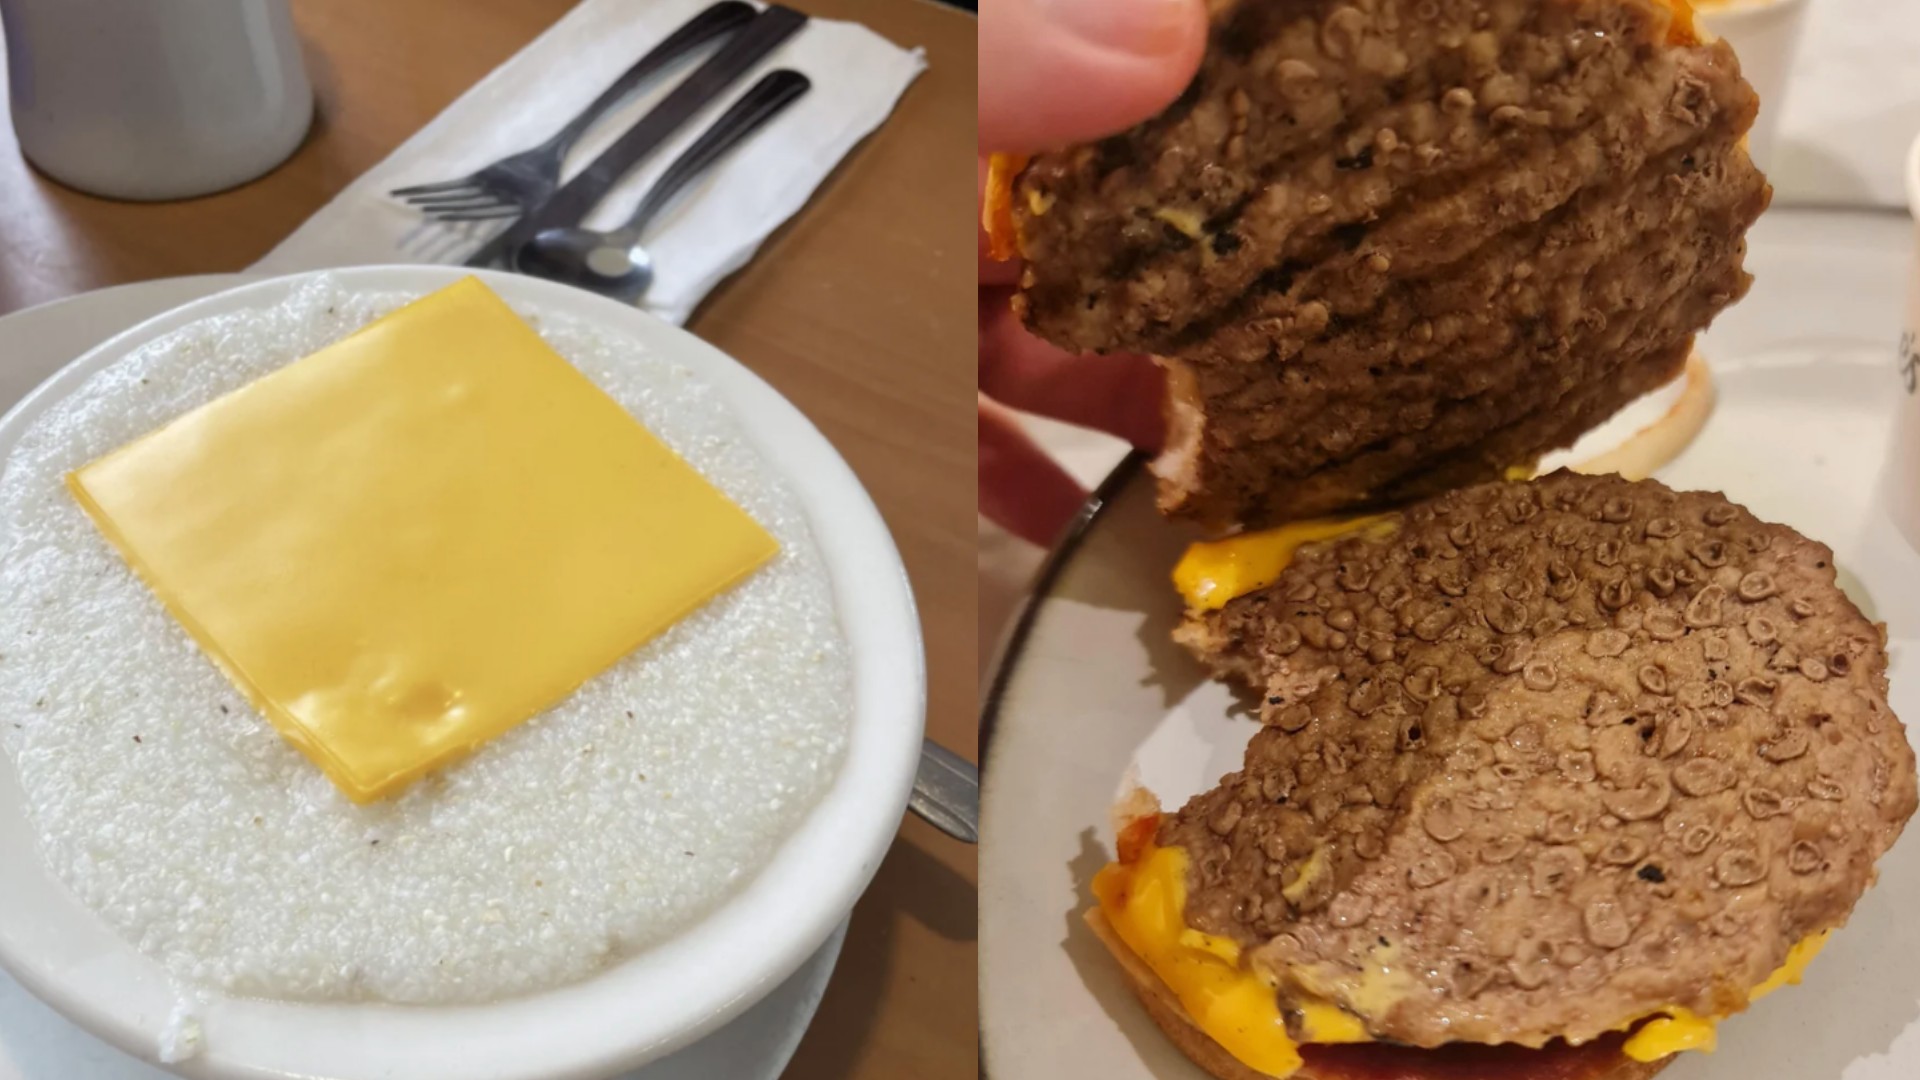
point(765, 100)
point(946, 792)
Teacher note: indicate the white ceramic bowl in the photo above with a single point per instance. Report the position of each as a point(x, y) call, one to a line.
point(639, 1010)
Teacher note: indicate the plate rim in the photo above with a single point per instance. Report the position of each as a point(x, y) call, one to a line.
point(1013, 644)
point(228, 277)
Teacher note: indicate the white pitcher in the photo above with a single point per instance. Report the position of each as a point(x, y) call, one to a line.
point(155, 99)
point(1903, 462)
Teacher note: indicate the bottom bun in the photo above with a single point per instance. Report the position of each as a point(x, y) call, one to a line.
point(1601, 1059)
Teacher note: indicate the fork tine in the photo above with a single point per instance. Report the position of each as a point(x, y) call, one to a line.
point(455, 202)
point(474, 213)
point(431, 189)
point(448, 206)
point(494, 214)
point(462, 193)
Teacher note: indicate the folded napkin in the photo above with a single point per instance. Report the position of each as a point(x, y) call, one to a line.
point(718, 221)
point(1852, 106)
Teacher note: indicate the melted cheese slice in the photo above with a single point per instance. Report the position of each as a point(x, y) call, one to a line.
point(1145, 902)
point(1681, 1029)
point(1685, 29)
point(1144, 895)
point(413, 540)
point(1211, 573)
point(996, 206)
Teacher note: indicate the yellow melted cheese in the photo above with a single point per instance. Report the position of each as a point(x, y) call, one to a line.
point(996, 206)
point(1145, 902)
point(407, 543)
point(1681, 1029)
point(1213, 572)
point(1312, 870)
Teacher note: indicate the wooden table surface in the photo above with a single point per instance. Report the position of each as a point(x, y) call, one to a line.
point(860, 310)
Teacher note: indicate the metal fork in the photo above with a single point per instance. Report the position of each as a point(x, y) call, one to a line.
point(946, 792)
point(583, 191)
point(509, 186)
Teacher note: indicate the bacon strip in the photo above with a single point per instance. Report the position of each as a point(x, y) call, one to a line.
point(1601, 1058)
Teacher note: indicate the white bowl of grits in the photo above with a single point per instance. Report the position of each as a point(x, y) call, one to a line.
point(591, 890)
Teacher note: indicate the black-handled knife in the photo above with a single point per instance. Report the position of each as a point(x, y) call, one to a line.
point(578, 196)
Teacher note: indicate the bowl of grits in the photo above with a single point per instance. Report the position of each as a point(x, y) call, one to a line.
point(581, 892)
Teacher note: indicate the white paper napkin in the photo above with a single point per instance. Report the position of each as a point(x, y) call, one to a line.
point(718, 221)
point(1852, 105)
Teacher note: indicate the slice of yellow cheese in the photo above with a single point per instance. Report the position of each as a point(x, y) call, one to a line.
point(1144, 896)
point(1678, 1029)
point(1213, 572)
point(412, 540)
point(1145, 902)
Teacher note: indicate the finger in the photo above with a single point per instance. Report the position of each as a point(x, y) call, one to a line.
point(1054, 72)
point(1022, 490)
point(1121, 394)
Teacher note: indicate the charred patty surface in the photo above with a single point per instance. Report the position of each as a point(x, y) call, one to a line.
point(1394, 244)
point(1546, 758)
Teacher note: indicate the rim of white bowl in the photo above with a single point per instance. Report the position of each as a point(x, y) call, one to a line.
point(643, 1008)
point(1913, 178)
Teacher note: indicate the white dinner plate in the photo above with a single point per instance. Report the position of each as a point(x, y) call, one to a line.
point(1091, 687)
point(37, 1043)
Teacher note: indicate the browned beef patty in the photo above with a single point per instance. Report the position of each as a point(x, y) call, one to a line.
point(1546, 758)
point(1374, 235)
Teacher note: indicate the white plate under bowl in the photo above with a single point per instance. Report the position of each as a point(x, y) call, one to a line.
point(1091, 687)
point(639, 1010)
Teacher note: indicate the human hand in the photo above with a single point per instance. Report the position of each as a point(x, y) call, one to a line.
point(1054, 72)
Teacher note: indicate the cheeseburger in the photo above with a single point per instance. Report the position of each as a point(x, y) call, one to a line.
point(1553, 774)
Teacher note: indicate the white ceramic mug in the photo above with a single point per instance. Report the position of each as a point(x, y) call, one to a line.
point(1903, 462)
point(1765, 34)
point(155, 99)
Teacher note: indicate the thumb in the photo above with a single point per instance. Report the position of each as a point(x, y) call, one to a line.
point(1054, 72)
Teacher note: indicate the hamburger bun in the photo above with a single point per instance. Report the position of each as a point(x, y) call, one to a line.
point(1596, 1061)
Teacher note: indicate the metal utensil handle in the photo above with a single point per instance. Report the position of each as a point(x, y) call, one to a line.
point(766, 99)
point(578, 196)
point(722, 18)
point(760, 37)
point(946, 792)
